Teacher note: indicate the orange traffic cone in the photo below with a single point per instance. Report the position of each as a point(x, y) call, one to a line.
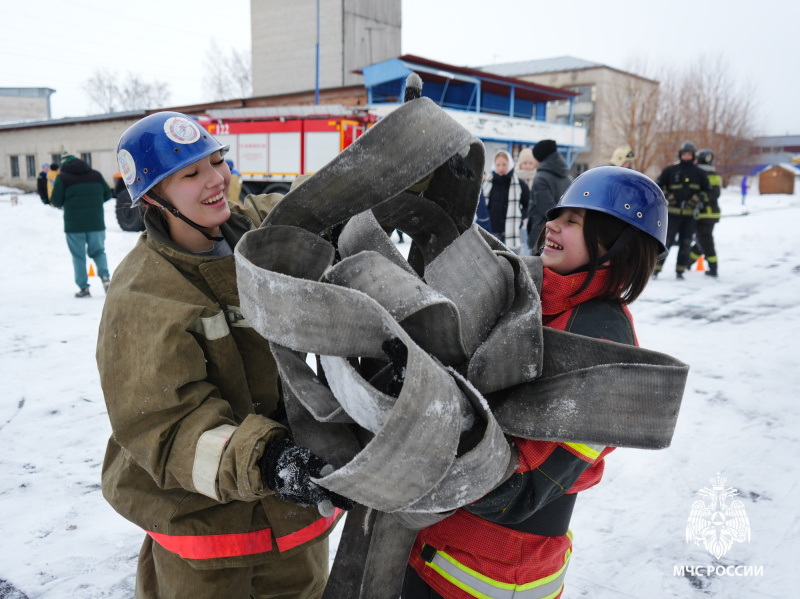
point(91, 270)
point(700, 266)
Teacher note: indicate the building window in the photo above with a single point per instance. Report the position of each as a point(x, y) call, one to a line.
point(586, 93)
point(55, 159)
point(14, 167)
point(30, 162)
point(87, 158)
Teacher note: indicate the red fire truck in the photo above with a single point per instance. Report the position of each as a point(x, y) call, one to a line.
point(271, 146)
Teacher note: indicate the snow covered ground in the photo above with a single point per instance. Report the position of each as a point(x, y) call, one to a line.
point(740, 417)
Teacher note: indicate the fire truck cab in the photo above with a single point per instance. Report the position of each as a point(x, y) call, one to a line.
point(272, 146)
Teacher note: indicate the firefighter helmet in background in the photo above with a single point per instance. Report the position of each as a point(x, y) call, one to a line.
point(705, 157)
point(629, 195)
point(159, 145)
point(622, 155)
point(687, 146)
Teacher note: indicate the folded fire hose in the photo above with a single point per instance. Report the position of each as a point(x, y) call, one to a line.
point(479, 363)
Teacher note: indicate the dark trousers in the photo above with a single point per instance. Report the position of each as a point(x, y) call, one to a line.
point(704, 242)
point(680, 229)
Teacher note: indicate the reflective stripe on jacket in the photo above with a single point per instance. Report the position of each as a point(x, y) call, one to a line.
point(686, 186)
point(478, 585)
point(470, 557)
point(710, 210)
point(231, 545)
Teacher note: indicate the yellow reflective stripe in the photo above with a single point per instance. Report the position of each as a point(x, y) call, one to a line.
point(450, 569)
point(592, 452)
point(476, 574)
point(546, 579)
point(455, 581)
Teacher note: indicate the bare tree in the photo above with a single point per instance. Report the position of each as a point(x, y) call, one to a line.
point(102, 90)
point(634, 114)
point(138, 93)
point(704, 104)
point(701, 103)
point(131, 93)
point(228, 76)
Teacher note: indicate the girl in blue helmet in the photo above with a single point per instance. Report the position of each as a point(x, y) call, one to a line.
point(598, 248)
point(200, 456)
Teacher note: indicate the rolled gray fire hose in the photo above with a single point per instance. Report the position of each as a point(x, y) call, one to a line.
point(480, 365)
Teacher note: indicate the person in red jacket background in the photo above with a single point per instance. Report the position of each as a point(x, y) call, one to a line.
point(599, 247)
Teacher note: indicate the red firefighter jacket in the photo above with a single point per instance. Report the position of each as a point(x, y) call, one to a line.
point(516, 538)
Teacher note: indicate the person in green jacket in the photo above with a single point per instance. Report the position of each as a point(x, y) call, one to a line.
point(81, 191)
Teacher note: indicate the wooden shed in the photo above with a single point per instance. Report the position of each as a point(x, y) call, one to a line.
point(777, 179)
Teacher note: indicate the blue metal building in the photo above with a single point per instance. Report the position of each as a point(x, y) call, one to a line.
point(503, 112)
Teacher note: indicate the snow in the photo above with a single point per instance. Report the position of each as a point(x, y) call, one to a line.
point(739, 417)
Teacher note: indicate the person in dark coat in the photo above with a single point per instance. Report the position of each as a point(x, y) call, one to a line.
point(482, 212)
point(41, 184)
point(82, 191)
point(686, 187)
point(551, 181)
point(507, 200)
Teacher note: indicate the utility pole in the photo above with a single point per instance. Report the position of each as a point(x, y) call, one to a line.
point(316, 86)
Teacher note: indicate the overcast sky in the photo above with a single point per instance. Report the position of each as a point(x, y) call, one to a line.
point(60, 43)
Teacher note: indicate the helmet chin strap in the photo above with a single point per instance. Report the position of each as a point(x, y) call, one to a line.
point(174, 211)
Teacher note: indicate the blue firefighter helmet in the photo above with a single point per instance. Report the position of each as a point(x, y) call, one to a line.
point(157, 146)
point(627, 194)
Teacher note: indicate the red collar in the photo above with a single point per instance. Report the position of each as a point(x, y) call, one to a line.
point(557, 289)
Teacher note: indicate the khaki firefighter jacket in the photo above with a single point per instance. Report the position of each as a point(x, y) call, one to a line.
point(191, 391)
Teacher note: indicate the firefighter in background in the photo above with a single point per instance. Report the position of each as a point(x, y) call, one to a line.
point(686, 187)
point(709, 215)
point(623, 156)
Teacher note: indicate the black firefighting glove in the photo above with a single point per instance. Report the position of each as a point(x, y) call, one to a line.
point(287, 469)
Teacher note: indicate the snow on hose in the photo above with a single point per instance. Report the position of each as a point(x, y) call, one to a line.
point(479, 364)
